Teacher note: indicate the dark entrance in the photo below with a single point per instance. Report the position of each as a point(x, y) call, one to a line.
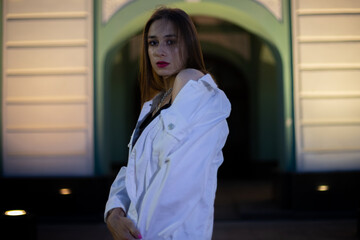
point(232, 81)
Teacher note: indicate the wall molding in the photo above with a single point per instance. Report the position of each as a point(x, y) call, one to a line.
point(37, 129)
point(48, 15)
point(328, 66)
point(330, 150)
point(47, 71)
point(324, 39)
point(48, 100)
point(327, 11)
point(327, 95)
point(46, 155)
point(326, 122)
point(56, 43)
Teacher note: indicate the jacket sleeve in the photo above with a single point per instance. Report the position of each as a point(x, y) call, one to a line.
point(118, 196)
point(181, 183)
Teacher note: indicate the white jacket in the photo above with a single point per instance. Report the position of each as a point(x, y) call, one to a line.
point(168, 187)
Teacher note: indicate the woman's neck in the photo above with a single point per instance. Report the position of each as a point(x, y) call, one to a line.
point(168, 82)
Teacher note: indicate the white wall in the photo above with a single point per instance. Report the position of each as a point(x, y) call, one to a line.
point(47, 88)
point(326, 47)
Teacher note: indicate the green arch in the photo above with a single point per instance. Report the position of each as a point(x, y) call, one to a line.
point(248, 14)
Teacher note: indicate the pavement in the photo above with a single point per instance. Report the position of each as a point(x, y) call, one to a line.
point(340, 229)
point(244, 210)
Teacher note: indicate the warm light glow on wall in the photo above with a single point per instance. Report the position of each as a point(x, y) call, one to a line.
point(15, 213)
point(323, 188)
point(65, 191)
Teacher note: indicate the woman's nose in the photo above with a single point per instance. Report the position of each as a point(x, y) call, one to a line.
point(160, 50)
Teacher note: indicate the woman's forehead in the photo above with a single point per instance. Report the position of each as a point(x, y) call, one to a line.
point(162, 28)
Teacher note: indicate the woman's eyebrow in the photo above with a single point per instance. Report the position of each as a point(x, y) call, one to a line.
point(167, 36)
point(170, 35)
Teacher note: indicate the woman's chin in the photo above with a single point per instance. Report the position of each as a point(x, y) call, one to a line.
point(164, 74)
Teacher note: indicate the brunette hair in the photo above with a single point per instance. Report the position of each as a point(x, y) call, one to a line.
point(150, 82)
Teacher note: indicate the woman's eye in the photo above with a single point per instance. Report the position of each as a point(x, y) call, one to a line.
point(152, 43)
point(170, 42)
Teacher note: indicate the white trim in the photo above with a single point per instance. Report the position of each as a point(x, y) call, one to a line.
point(340, 122)
point(32, 129)
point(330, 150)
point(47, 100)
point(28, 154)
point(56, 43)
point(327, 95)
point(48, 15)
point(328, 66)
point(47, 71)
point(315, 39)
point(90, 88)
point(327, 11)
point(296, 85)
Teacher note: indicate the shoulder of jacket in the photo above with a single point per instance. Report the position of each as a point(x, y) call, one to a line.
point(183, 77)
point(188, 74)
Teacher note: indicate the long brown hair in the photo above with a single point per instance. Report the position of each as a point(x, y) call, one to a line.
point(150, 82)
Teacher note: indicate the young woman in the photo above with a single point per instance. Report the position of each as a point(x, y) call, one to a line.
point(167, 190)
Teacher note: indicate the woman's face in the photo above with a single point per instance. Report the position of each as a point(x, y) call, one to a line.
point(164, 48)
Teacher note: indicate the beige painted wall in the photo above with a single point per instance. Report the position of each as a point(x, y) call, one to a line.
point(326, 47)
point(47, 88)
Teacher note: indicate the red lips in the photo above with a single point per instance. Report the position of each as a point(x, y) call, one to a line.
point(162, 64)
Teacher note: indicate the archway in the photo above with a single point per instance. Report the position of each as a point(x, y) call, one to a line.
point(229, 63)
point(273, 36)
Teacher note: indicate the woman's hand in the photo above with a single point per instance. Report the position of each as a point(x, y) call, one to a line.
point(120, 226)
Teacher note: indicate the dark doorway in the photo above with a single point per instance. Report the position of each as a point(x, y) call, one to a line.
point(232, 81)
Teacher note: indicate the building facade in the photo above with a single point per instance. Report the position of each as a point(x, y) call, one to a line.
point(290, 68)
